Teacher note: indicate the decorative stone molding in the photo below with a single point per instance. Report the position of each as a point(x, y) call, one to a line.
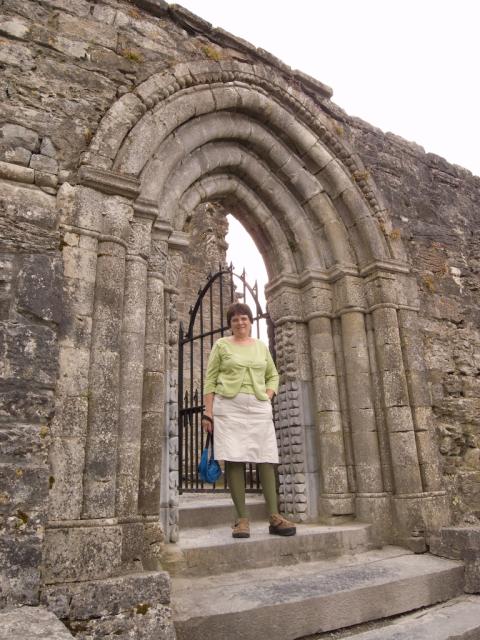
point(189, 75)
point(108, 181)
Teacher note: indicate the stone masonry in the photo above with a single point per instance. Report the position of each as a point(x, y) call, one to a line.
point(120, 123)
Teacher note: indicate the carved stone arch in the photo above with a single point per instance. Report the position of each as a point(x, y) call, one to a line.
point(354, 430)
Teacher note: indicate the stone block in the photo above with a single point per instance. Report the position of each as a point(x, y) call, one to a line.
point(70, 416)
point(359, 389)
point(108, 597)
point(363, 420)
point(17, 155)
point(17, 136)
point(16, 173)
point(39, 287)
point(77, 7)
point(399, 419)
point(29, 353)
point(89, 30)
point(153, 392)
point(326, 393)
point(67, 461)
point(20, 442)
point(74, 366)
point(32, 622)
point(395, 392)
point(132, 543)
point(40, 162)
point(67, 46)
point(47, 181)
point(82, 553)
point(20, 559)
point(26, 206)
point(16, 54)
point(47, 148)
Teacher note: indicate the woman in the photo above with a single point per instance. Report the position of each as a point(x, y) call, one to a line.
point(241, 381)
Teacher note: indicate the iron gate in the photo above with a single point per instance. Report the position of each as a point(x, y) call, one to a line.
point(208, 323)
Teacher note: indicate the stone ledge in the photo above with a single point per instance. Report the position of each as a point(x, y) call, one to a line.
point(461, 543)
point(96, 598)
point(187, 18)
point(155, 7)
point(109, 182)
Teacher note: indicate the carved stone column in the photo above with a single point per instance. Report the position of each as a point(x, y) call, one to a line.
point(81, 219)
point(104, 383)
point(131, 383)
point(336, 498)
point(418, 499)
point(293, 408)
point(372, 503)
point(82, 525)
point(153, 401)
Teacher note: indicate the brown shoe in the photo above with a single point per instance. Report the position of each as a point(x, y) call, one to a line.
point(280, 526)
point(241, 528)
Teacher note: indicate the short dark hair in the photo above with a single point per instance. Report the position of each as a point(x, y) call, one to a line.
point(238, 309)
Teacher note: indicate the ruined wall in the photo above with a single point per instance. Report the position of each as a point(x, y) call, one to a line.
point(435, 208)
point(64, 63)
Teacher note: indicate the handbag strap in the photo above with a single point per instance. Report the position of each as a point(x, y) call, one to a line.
point(208, 442)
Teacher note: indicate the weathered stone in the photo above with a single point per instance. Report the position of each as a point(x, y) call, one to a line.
point(15, 172)
point(82, 553)
point(43, 163)
point(18, 155)
point(15, 54)
point(14, 27)
point(34, 622)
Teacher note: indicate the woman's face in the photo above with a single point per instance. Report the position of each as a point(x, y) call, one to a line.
point(240, 326)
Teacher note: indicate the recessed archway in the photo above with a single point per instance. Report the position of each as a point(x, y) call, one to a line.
point(354, 419)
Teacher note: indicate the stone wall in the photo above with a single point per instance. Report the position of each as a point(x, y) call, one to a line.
point(434, 207)
point(64, 64)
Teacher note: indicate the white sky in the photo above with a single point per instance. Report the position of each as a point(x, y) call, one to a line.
point(406, 66)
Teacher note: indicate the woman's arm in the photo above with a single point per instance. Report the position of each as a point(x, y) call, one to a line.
point(208, 400)
point(213, 367)
point(271, 377)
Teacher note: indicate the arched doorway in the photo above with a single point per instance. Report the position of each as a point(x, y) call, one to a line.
point(355, 410)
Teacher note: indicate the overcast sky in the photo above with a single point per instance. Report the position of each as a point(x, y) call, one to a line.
point(409, 66)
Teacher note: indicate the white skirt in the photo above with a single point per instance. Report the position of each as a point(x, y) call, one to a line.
point(243, 429)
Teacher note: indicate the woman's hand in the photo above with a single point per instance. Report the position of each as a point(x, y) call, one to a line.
point(270, 393)
point(207, 423)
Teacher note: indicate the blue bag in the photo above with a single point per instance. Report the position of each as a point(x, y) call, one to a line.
point(209, 470)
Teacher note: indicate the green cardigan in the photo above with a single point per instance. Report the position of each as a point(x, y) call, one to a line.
point(233, 369)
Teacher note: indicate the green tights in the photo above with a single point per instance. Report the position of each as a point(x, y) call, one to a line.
point(236, 482)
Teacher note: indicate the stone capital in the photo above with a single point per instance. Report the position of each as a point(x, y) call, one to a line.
point(109, 182)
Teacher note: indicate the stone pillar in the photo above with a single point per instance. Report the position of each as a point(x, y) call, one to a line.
point(335, 497)
point(82, 526)
point(294, 422)
point(420, 400)
point(81, 220)
point(153, 398)
point(131, 384)
point(372, 503)
point(435, 506)
point(104, 382)
point(419, 503)
point(405, 468)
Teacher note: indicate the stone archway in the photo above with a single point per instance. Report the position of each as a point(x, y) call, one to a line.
point(353, 404)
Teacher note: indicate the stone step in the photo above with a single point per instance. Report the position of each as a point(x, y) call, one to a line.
point(287, 603)
point(202, 551)
point(457, 619)
point(209, 510)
